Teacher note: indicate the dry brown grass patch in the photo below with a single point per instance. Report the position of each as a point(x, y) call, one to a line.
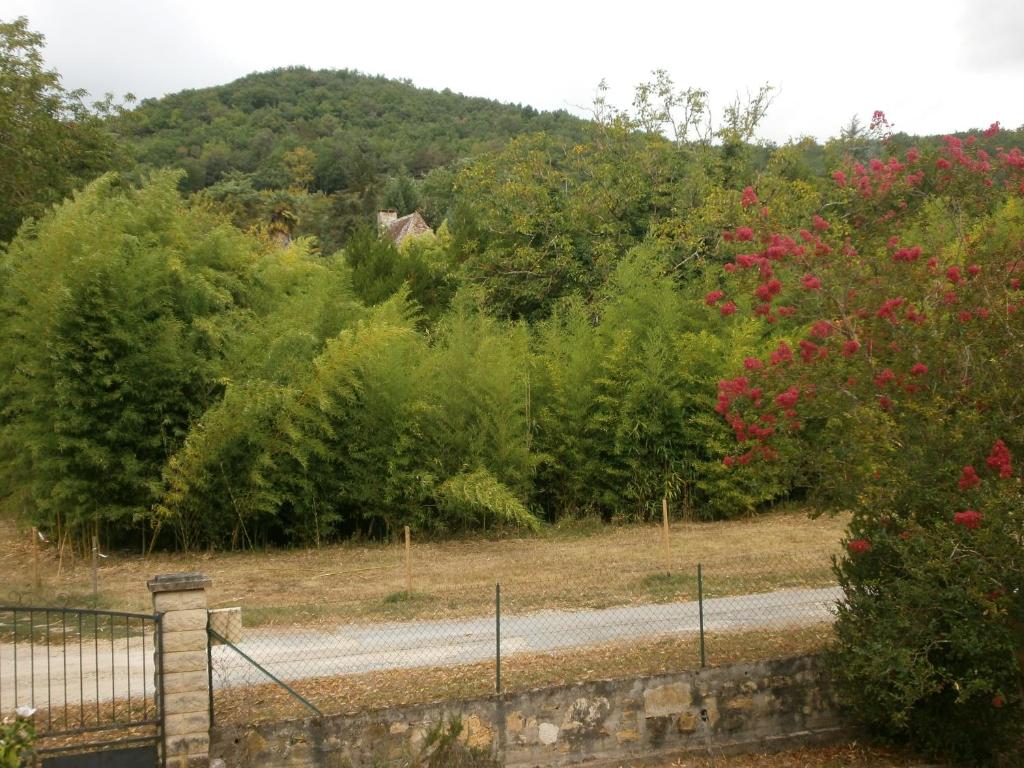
point(613, 566)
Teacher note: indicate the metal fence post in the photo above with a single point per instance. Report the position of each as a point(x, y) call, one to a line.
point(497, 638)
point(209, 664)
point(95, 569)
point(158, 679)
point(700, 609)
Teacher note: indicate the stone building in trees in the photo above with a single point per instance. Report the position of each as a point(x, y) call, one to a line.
point(397, 229)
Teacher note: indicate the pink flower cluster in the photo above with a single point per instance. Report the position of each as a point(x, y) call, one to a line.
point(872, 326)
point(969, 519)
point(1000, 460)
point(968, 478)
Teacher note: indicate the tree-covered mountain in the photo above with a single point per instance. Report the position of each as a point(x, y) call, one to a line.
point(326, 130)
point(322, 150)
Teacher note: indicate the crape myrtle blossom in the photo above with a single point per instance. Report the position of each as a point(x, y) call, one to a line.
point(789, 272)
point(891, 309)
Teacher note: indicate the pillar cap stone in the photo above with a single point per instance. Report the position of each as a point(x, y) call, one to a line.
point(178, 582)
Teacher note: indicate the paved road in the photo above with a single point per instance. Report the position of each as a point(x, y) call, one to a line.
point(294, 654)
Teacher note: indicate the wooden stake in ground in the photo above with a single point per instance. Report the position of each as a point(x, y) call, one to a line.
point(664, 534)
point(408, 562)
point(36, 582)
point(95, 568)
point(60, 554)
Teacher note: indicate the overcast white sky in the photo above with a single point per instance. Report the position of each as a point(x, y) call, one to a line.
point(934, 67)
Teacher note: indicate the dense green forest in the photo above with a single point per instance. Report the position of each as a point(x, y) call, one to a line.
point(205, 340)
point(169, 365)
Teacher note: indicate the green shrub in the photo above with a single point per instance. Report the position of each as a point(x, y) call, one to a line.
point(930, 636)
point(16, 739)
point(625, 397)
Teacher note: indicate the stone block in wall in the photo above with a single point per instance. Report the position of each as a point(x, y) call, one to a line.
point(709, 710)
point(178, 601)
point(627, 736)
point(187, 722)
point(586, 715)
point(668, 699)
point(688, 722)
point(476, 733)
point(181, 620)
point(182, 703)
point(189, 640)
point(188, 761)
point(197, 743)
point(740, 703)
point(186, 661)
point(547, 733)
point(183, 682)
point(227, 622)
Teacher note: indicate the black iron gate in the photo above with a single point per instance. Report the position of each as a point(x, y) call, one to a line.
point(86, 680)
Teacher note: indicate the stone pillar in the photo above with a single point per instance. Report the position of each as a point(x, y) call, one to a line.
point(183, 682)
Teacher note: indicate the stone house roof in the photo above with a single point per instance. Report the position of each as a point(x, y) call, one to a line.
point(397, 229)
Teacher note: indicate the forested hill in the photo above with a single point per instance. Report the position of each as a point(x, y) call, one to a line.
point(326, 130)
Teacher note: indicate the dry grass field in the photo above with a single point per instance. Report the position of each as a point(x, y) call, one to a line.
point(589, 567)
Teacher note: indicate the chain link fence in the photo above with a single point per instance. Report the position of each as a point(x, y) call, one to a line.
point(363, 626)
point(440, 641)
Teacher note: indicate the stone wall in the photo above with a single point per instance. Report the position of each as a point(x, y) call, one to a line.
point(735, 708)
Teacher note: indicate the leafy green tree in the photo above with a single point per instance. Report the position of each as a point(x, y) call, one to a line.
point(436, 190)
point(478, 371)
point(299, 163)
point(542, 220)
point(625, 399)
point(380, 269)
point(401, 194)
point(903, 299)
point(50, 141)
point(117, 307)
point(223, 485)
point(377, 431)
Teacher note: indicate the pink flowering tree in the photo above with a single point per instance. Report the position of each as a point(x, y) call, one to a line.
point(899, 369)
